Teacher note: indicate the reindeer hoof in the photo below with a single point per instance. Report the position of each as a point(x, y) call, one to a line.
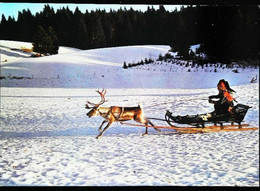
point(98, 137)
point(144, 134)
point(159, 130)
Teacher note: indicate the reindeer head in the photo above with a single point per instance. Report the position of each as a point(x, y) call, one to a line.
point(94, 108)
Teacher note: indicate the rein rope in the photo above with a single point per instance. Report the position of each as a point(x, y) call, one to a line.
point(181, 100)
point(173, 102)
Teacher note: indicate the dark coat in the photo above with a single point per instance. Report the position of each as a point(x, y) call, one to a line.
point(222, 105)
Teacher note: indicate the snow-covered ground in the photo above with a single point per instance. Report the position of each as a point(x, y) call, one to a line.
point(47, 139)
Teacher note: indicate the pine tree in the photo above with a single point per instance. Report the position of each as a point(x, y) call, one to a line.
point(98, 38)
point(108, 27)
point(38, 43)
point(25, 25)
point(3, 27)
point(43, 42)
point(80, 31)
point(63, 27)
point(55, 41)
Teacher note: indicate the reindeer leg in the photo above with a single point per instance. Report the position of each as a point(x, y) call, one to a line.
point(149, 122)
point(100, 135)
point(146, 131)
point(100, 128)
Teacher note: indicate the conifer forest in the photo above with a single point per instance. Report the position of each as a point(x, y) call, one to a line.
point(226, 33)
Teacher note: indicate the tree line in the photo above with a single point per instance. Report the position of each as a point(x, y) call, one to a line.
point(226, 33)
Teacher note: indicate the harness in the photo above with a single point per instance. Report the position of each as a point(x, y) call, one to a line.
point(110, 112)
point(102, 114)
point(120, 113)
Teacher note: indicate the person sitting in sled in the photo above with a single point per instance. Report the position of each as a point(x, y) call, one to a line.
point(225, 102)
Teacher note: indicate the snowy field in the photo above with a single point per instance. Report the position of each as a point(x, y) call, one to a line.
point(47, 139)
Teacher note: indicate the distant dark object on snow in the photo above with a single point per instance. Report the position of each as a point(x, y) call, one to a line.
point(253, 80)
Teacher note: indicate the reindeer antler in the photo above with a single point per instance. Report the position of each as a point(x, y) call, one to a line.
point(102, 94)
point(103, 100)
point(87, 106)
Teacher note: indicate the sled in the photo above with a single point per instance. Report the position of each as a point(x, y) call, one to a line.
point(198, 123)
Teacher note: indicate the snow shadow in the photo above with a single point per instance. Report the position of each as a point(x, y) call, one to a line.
point(56, 133)
point(15, 54)
point(112, 131)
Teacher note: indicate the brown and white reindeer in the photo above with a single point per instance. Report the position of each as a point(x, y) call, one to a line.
point(116, 114)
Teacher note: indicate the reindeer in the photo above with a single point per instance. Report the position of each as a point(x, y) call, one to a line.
point(116, 114)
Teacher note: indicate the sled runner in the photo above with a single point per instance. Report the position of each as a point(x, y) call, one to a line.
point(198, 122)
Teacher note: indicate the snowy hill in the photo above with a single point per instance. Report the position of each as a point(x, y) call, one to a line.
point(102, 68)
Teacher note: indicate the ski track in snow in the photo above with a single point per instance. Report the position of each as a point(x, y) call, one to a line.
point(47, 139)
